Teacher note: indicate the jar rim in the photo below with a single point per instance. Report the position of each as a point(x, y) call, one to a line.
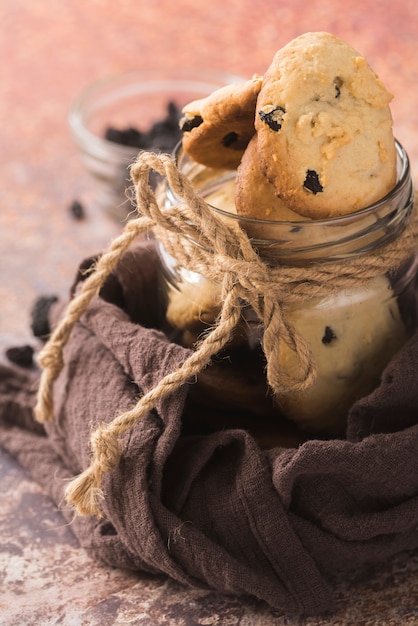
point(403, 176)
point(322, 240)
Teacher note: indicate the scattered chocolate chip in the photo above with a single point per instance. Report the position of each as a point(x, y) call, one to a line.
point(39, 316)
point(188, 123)
point(114, 134)
point(272, 116)
point(329, 335)
point(162, 135)
point(296, 229)
point(127, 136)
point(338, 84)
point(312, 182)
point(77, 210)
point(229, 140)
point(21, 355)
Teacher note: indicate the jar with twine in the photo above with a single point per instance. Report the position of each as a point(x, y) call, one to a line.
point(230, 258)
point(352, 328)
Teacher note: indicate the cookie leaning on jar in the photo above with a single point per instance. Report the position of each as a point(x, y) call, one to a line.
point(217, 129)
point(324, 128)
point(320, 152)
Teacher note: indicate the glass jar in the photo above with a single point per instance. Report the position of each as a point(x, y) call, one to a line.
point(135, 99)
point(352, 333)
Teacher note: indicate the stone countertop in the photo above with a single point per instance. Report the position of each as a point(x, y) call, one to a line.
point(50, 52)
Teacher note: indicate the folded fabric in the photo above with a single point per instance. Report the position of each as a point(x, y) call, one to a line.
point(214, 509)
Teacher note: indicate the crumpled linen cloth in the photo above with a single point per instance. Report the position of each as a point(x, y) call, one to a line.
point(215, 510)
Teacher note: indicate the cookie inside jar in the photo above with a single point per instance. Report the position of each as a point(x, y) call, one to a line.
point(355, 323)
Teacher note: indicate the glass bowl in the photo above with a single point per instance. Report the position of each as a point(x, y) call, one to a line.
point(135, 99)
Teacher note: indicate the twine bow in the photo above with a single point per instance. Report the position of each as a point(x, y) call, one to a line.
point(226, 256)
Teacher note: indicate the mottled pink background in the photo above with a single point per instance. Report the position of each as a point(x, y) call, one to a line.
point(49, 51)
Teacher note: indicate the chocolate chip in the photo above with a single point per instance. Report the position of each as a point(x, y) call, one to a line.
point(114, 134)
point(329, 335)
point(77, 210)
point(21, 355)
point(272, 116)
point(165, 133)
point(161, 135)
point(188, 123)
point(39, 316)
point(229, 140)
point(312, 182)
point(130, 136)
point(338, 84)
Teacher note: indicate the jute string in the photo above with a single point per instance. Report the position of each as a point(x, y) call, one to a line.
point(226, 256)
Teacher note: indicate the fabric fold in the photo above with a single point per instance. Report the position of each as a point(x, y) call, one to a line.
point(216, 510)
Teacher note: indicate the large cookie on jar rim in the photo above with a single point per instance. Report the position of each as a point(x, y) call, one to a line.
point(324, 128)
point(217, 129)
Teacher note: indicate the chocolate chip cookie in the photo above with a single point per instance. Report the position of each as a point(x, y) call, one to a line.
point(324, 128)
point(217, 129)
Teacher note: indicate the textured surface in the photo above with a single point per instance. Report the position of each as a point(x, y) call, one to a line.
point(47, 579)
point(49, 52)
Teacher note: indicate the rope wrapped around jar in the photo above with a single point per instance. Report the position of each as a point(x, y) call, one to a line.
point(227, 257)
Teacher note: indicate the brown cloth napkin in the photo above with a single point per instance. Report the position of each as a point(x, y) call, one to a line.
point(215, 510)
